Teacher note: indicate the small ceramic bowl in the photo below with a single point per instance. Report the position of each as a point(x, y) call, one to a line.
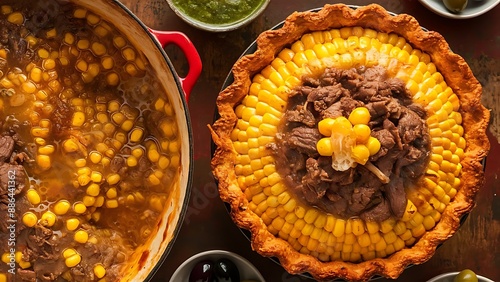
point(246, 269)
point(448, 277)
point(474, 8)
point(219, 27)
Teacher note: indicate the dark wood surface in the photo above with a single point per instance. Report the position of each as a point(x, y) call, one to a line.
point(207, 225)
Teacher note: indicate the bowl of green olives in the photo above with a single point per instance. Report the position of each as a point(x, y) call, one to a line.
point(460, 9)
point(216, 266)
point(465, 275)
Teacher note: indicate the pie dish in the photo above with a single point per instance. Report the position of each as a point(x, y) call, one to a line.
point(292, 173)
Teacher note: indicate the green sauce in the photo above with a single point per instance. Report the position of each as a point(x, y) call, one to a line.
point(217, 11)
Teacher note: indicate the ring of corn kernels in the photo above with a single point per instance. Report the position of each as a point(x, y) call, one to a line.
point(307, 229)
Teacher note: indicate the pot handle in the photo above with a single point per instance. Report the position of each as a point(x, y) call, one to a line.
point(190, 52)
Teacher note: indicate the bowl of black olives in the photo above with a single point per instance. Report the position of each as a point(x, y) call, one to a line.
point(216, 266)
point(460, 9)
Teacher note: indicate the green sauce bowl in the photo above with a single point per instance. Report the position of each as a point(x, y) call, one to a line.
point(218, 15)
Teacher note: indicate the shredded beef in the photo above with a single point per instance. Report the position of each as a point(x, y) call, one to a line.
point(396, 122)
point(6, 147)
point(301, 115)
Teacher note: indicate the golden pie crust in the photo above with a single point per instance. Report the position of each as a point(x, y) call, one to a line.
point(457, 75)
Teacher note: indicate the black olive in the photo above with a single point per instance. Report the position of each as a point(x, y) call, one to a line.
point(226, 271)
point(203, 271)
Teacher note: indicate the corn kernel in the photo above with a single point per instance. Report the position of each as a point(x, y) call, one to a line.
point(101, 30)
point(33, 197)
point(80, 13)
point(99, 271)
point(325, 126)
point(99, 201)
point(16, 18)
point(43, 162)
point(136, 135)
point(88, 201)
point(6, 9)
point(96, 176)
point(324, 147)
point(6, 258)
point(107, 62)
point(80, 207)
point(93, 70)
point(81, 236)
point(48, 219)
point(359, 115)
point(98, 48)
point(46, 150)
point(29, 87)
point(362, 132)
point(70, 146)
point(83, 44)
point(78, 119)
point(153, 155)
point(153, 179)
point(131, 69)
point(128, 54)
point(360, 153)
point(83, 179)
point(131, 161)
point(72, 224)
point(93, 190)
point(93, 19)
point(61, 207)
point(111, 193)
point(29, 219)
point(73, 260)
point(40, 132)
point(119, 41)
point(113, 178)
point(95, 157)
point(112, 78)
point(111, 204)
point(127, 125)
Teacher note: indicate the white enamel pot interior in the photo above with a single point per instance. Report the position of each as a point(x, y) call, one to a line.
point(149, 257)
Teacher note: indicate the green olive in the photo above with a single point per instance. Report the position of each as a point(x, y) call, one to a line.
point(455, 6)
point(466, 275)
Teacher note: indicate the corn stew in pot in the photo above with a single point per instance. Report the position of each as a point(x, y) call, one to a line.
point(89, 145)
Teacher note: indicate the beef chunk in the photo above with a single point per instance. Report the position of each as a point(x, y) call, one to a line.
point(6, 147)
point(386, 140)
point(367, 92)
point(301, 115)
point(117, 165)
point(303, 139)
point(396, 196)
point(376, 73)
point(334, 203)
point(324, 97)
point(361, 198)
point(398, 89)
point(378, 111)
point(14, 173)
point(61, 116)
point(411, 127)
point(380, 212)
point(26, 275)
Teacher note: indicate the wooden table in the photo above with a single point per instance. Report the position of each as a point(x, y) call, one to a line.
point(208, 226)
